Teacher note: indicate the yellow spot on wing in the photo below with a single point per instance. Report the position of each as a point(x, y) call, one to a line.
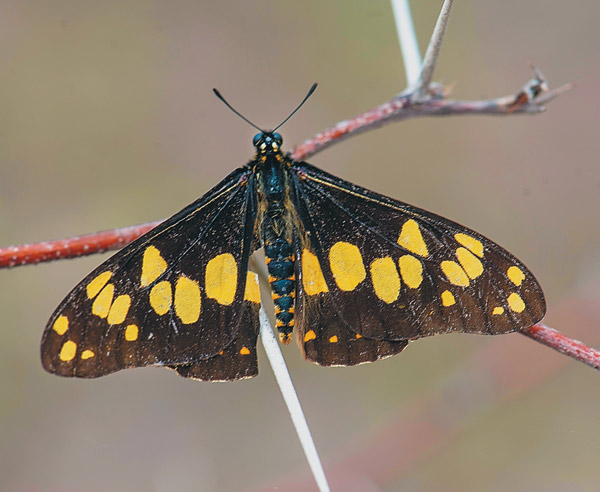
point(153, 266)
point(187, 300)
point(411, 238)
point(472, 244)
point(252, 292)
point(309, 335)
point(469, 262)
point(515, 275)
point(346, 265)
point(515, 303)
point(312, 275)
point(333, 339)
point(118, 310)
point(385, 278)
point(61, 325)
point(131, 333)
point(448, 298)
point(87, 354)
point(96, 285)
point(454, 273)
point(68, 351)
point(357, 336)
point(221, 278)
point(102, 304)
point(411, 270)
point(161, 297)
point(244, 351)
point(498, 310)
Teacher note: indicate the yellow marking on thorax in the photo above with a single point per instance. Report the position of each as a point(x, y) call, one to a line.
point(411, 238)
point(448, 298)
point(411, 270)
point(346, 265)
point(161, 297)
point(309, 335)
point(221, 278)
point(68, 351)
point(470, 263)
point(515, 303)
point(385, 278)
point(252, 292)
point(244, 351)
point(187, 300)
point(118, 310)
point(515, 275)
point(333, 339)
point(153, 266)
point(87, 354)
point(472, 244)
point(498, 310)
point(61, 325)
point(131, 333)
point(97, 283)
point(101, 305)
point(312, 275)
point(454, 273)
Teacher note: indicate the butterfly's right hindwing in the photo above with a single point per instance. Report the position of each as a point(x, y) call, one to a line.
point(177, 296)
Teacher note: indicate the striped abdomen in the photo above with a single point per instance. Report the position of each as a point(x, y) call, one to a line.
point(280, 263)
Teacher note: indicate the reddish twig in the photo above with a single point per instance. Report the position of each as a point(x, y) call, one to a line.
point(72, 247)
point(563, 344)
point(530, 99)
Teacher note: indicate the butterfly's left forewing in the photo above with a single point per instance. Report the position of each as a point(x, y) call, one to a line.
point(177, 296)
point(394, 272)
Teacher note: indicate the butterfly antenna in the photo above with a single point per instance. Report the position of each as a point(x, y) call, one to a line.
point(218, 94)
point(310, 91)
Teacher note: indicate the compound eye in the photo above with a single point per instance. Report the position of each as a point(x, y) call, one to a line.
point(277, 138)
point(257, 138)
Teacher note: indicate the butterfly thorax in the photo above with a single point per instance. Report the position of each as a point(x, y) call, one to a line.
point(270, 167)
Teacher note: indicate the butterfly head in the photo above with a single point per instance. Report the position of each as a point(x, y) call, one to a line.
point(267, 143)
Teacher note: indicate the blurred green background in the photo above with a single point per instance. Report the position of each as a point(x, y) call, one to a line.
point(107, 119)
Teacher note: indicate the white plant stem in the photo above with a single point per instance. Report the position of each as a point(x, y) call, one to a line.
point(292, 402)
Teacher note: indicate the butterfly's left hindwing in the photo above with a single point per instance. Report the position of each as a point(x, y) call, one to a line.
point(178, 296)
point(394, 272)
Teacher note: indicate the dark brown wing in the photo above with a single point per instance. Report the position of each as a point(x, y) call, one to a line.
point(394, 272)
point(176, 296)
point(322, 334)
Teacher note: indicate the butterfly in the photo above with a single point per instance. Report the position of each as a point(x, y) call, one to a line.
point(354, 274)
